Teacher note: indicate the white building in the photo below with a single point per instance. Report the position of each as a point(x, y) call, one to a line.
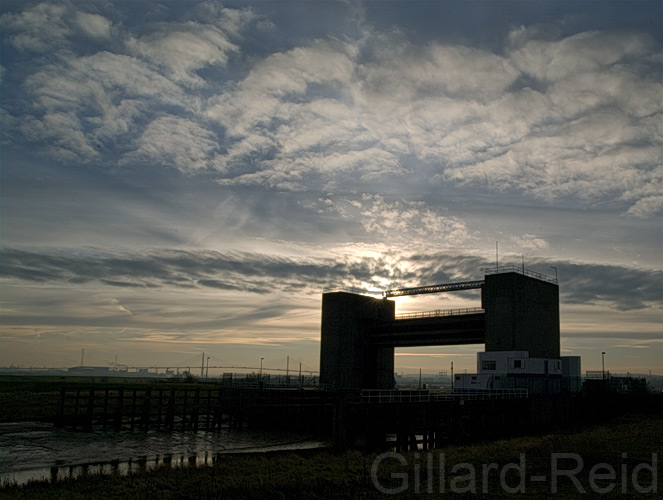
point(516, 370)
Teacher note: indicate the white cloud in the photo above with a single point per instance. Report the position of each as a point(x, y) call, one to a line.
point(588, 52)
point(40, 28)
point(400, 222)
point(93, 25)
point(63, 134)
point(530, 242)
point(551, 117)
point(175, 142)
point(180, 50)
point(585, 133)
point(647, 207)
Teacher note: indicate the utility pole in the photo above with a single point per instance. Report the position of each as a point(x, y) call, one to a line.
point(603, 363)
point(82, 357)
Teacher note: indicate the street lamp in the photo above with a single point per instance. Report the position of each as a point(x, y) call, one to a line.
point(603, 363)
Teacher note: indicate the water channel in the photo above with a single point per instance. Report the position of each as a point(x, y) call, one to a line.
point(39, 451)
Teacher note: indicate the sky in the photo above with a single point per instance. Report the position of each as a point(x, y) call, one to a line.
point(183, 177)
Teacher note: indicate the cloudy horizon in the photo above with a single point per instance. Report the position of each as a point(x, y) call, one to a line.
point(182, 177)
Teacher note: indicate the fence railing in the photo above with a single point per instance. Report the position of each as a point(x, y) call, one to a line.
point(387, 396)
point(521, 270)
point(438, 313)
point(254, 381)
point(358, 291)
point(484, 394)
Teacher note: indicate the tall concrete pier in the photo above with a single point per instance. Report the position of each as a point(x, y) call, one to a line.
point(348, 359)
point(522, 314)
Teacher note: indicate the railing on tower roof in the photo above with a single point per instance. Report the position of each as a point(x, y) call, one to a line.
point(446, 287)
point(521, 270)
point(349, 289)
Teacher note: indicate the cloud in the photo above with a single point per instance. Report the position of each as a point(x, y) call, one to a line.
point(530, 242)
point(554, 117)
point(569, 133)
point(180, 50)
point(94, 25)
point(177, 142)
point(622, 288)
point(619, 287)
point(594, 123)
point(38, 29)
point(120, 88)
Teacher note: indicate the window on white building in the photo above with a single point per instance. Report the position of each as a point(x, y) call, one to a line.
point(489, 365)
point(517, 363)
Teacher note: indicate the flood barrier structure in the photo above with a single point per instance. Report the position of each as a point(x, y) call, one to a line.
point(358, 334)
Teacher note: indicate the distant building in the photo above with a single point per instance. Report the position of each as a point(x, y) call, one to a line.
point(90, 371)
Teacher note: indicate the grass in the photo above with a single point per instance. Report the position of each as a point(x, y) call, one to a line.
point(320, 474)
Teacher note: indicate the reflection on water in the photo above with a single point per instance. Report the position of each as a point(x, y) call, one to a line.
point(35, 451)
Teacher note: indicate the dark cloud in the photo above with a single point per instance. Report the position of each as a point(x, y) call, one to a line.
point(621, 287)
point(625, 288)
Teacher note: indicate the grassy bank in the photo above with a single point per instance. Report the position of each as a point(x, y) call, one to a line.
point(323, 475)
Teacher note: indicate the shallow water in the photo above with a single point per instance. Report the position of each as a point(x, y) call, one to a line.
point(36, 451)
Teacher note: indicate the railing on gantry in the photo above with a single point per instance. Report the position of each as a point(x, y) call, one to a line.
point(445, 287)
point(439, 313)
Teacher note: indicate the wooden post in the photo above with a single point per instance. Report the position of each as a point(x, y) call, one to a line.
point(133, 409)
point(159, 408)
point(208, 409)
point(196, 409)
point(170, 411)
point(119, 409)
point(145, 417)
point(59, 417)
point(104, 414)
point(184, 408)
point(76, 403)
point(90, 411)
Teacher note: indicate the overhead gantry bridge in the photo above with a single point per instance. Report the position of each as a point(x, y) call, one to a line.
point(447, 287)
point(519, 311)
point(434, 328)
